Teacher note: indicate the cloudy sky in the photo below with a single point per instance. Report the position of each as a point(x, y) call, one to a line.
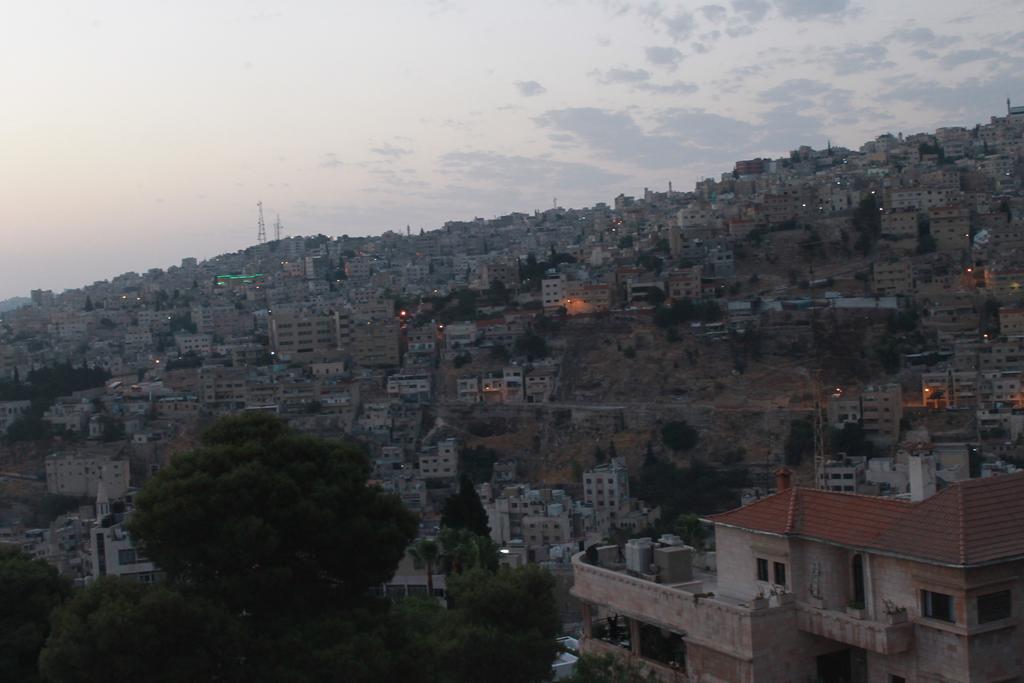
point(135, 133)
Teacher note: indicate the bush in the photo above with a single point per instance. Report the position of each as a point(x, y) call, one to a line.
point(679, 436)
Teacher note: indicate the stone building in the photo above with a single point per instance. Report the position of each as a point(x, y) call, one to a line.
point(817, 585)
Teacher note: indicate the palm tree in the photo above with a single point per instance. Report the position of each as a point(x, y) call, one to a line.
point(427, 551)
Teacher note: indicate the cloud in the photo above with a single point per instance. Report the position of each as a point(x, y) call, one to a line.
point(520, 171)
point(857, 59)
point(620, 75)
point(922, 37)
point(668, 57)
point(615, 135)
point(388, 150)
point(331, 160)
point(965, 102)
point(674, 88)
point(714, 13)
point(530, 88)
point(806, 10)
point(751, 10)
point(795, 88)
point(960, 57)
point(680, 25)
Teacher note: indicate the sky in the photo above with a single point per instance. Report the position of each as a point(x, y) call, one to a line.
point(135, 133)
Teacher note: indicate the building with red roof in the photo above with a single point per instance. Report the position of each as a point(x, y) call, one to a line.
point(813, 585)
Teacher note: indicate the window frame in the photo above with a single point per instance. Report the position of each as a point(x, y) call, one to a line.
point(1007, 606)
point(761, 563)
point(928, 606)
point(779, 570)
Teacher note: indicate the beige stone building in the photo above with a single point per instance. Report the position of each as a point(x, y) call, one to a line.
point(810, 585)
point(893, 277)
point(81, 472)
point(950, 226)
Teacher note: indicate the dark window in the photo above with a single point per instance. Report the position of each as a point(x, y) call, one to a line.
point(762, 569)
point(780, 574)
point(897, 679)
point(994, 606)
point(937, 606)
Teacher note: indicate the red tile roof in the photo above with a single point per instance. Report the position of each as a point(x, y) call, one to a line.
point(969, 523)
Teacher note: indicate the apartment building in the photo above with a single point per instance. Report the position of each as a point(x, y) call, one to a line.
point(10, 411)
point(441, 461)
point(877, 408)
point(301, 335)
point(950, 226)
point(82, 472)
point(812, 585)
point(893, 278)
point(606, 487)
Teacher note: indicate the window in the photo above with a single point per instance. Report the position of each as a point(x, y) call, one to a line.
point(994, 606)
point(937, 606)
point(897, 679)
point(780, 573)
point(762, 569)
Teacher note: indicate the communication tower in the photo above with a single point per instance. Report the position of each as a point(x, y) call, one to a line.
point(261, 235)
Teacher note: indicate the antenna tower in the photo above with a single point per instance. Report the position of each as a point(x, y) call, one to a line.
point(261, 235)
point(277, 228)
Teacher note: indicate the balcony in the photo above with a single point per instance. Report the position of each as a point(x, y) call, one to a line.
point(875, 636)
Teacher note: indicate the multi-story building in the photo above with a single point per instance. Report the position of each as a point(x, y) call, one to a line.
point(606, 487)
point(950, 226)
point(893, 277)
point(811, 585)
point(81, 473)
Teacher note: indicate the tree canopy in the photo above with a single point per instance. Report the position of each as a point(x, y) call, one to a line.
point(268, 519)
point(464, 510)
point(29, 590)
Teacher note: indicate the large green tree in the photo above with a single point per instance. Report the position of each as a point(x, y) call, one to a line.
point(464, 510)
point(29, 591)
point(269, 520)
point(120, 630)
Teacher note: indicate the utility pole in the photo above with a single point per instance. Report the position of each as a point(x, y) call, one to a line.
point(261, 234)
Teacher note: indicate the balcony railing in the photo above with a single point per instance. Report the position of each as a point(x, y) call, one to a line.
point(876, 636)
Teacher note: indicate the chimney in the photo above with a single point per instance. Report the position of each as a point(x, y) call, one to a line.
point(921, 469)
point(783, 479)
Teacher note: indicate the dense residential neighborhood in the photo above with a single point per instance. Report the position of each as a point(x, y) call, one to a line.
point(766, 429)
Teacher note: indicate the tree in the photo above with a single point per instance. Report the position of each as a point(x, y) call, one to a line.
point(120, 630)
point(800, 441)
point(607, 668)
point(691, 530)
point(29, 590)
point(464, 510)
point(506, 625)
point(532, 345)
point(428, 552)
point(679, 436)
point(271, 522)
point(463, 550)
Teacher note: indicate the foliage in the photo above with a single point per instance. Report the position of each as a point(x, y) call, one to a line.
point(463, 510)
point(506, 624)
point(29, 590)
point(464, 550)
point(852, 441)
point(122, 630)
point(607, 668)
point(698, 488)
point(48, 383)
point(461, 360)
point(270, 521)
point(691, 530)
point(478, 463)
point(867, 223)
point(532, 345)
point(685, 310)
point(679, 436)
point(800, 441)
